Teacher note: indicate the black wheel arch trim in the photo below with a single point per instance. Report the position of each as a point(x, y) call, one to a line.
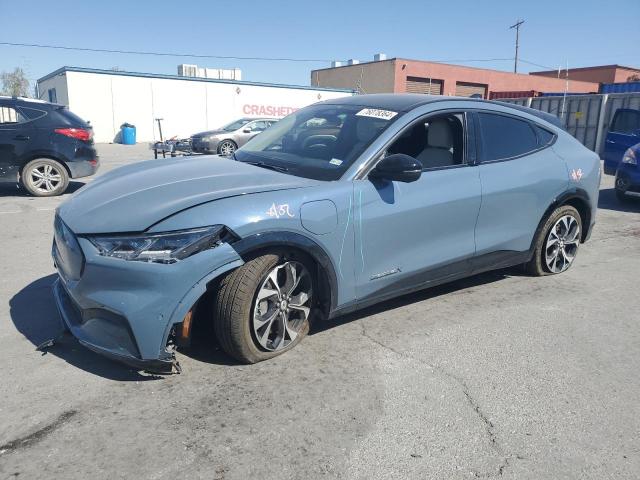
point(279, 239)
point(44, 154)
point(575, 193)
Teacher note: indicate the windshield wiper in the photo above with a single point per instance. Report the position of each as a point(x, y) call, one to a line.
point(277, 168)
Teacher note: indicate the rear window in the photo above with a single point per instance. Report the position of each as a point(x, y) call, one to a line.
point(71, 117)
point(505, 137)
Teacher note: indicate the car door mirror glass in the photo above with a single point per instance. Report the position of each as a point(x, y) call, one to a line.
point(247, 130)
point(397, 167)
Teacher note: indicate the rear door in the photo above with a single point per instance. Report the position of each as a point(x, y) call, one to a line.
point(15, 141)
point(520, 176)
point(624, 133)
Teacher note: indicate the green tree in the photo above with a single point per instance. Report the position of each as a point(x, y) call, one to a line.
point(15, 83)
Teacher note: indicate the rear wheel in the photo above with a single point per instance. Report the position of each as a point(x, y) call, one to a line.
point(264, 307)
point(556, 243)
point(44, 177)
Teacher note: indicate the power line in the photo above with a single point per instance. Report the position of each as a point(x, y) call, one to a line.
point(220, 57)
point(537, 64)
point(163, 54)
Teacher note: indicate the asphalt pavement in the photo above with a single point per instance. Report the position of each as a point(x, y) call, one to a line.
point(499, 375)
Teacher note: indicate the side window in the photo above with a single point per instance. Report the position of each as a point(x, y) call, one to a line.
point(436, 141)
point(8, 115)
point(32, 113)
point(505, 137)
point(258, 126)
point(545, 137)
point(626, 121)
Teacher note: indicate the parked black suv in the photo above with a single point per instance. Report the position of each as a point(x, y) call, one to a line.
point(43, 145)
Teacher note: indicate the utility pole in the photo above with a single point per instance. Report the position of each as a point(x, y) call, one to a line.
point(517, 27)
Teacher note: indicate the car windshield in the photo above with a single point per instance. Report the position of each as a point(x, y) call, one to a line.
point(236, 125)
point(319, 142)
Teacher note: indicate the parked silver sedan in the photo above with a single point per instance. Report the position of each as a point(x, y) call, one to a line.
point(229, 138)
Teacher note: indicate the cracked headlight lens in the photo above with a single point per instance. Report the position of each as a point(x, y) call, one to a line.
point(168, 247)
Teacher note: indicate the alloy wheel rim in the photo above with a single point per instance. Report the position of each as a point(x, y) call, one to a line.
point(45, 178)
point(226, 148)
point(282, 306)
point(562, 244)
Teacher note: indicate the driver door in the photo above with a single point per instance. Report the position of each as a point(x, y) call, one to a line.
point(409, 235)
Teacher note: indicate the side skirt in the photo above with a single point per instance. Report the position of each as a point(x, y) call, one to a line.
point(435, 277)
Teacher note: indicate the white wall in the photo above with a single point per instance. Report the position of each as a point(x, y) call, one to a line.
point(59, 82)
point(186, 106)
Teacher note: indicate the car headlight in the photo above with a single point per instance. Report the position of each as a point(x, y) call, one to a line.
point(630, 157)
point(168, 247)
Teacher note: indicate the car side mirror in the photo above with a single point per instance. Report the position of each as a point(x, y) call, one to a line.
point(247, 130)
point(398, 167)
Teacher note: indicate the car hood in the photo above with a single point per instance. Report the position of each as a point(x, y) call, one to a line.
point(209, 133)
point(133, 198)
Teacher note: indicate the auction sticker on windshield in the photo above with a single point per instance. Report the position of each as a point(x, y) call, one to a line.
point(377, 113)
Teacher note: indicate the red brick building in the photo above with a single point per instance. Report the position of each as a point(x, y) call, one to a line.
point(401, 75)
point(599, 74)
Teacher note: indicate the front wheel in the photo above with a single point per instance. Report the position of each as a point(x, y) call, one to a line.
point(264, 307)
point(227, 147)
point(44, 177)
point(556, 243)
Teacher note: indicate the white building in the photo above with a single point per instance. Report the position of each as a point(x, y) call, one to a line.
point(187, 105)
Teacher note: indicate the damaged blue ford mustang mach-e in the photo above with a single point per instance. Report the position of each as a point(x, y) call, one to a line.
point(339, 205)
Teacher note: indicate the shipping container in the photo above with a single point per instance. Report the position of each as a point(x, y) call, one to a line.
point(627, 87)
point(586, 117)
point(561, 94)
point(513, 94)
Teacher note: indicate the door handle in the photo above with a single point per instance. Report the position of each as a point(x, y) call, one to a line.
point(21, 137)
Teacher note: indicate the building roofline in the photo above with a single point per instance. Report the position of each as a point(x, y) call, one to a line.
point(356, 64)
point(65, 69)
point(596, 67)
point(399, 59)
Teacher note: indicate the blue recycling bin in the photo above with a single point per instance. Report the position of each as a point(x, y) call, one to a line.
point(128, 134)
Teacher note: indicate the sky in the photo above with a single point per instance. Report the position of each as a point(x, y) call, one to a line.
point(580, 32)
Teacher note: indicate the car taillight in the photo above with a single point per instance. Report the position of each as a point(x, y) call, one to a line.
point(77, 133)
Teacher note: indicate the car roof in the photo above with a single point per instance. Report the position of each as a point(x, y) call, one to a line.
point(404, 102)
point(24, 101)
point(251, 119)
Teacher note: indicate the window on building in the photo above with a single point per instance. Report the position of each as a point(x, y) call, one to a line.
point(53, 96)
point(505, 137)
point(473, 90)
point(429, 86)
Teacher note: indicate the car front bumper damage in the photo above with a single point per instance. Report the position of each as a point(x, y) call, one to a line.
point(127, 310)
